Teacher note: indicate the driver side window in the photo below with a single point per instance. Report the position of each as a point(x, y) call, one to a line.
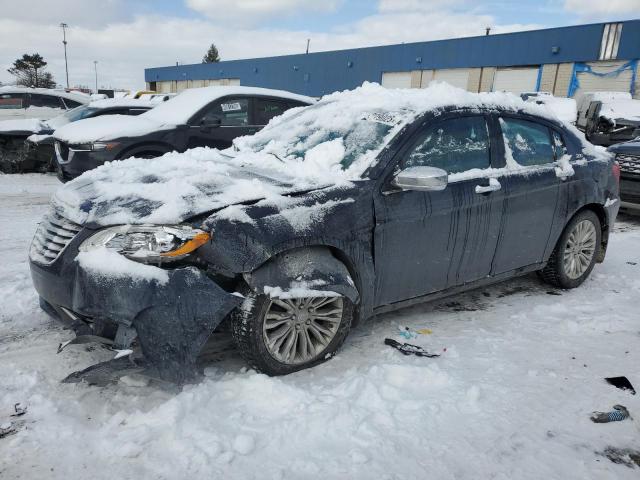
point(232, 112)
point(454, 145)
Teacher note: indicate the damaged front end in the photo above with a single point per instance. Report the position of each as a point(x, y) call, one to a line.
point(169, 313)
point(609, 131)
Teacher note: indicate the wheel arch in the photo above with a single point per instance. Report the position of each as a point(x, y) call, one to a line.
point(601, 213)
point(159, 148)
point(319, 267)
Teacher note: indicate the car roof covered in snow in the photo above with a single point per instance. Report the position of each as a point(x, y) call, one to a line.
point(165, 115)
point(183, 106)
point(77, 96)
point(122, 103)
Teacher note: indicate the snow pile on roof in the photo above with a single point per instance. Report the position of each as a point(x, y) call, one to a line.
point(22, 125)
point(181, 108)
point(122, 102)
point(621, 109)
point(564, 108)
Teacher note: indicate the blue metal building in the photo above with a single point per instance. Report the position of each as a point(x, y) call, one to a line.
point(562, 60)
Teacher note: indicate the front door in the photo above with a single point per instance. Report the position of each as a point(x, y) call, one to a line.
point(428, 241)
point(532, 190)
point(220, 122)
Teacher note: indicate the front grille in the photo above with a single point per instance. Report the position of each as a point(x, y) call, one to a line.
point(629, 163)
point(52, 236)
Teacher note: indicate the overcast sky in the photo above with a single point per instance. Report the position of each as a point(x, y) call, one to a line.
point(125, 36)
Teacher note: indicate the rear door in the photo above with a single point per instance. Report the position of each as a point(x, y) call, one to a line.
point(427, 241)
point(220, 122)
point(532, 190)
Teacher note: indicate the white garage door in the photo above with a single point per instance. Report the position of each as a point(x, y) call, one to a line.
point(458, 77)
point(594, 83)
point(396, 79)
point(515, 80)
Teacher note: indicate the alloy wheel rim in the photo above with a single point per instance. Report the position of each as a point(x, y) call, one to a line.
point(579, 249)
point(298, 330)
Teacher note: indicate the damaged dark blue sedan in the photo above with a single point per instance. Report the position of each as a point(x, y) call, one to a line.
point(369, 201)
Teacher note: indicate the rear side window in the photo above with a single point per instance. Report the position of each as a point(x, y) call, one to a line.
point(528, 142)
point(558, 145)
point(267, 109)
point(11, 101)
point(232, 112)
point(71, 103)
point(454, 145)
point(49, 101)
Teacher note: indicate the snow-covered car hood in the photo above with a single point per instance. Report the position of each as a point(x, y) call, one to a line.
point(23, 126)
point(171, 189)
point(108, 127)
point(632, 147)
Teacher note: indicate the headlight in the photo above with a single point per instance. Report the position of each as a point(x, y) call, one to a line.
point(88, 147)
point(148, 244)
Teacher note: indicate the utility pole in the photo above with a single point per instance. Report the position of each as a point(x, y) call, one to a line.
point(64, 27)
point(308, 41)
point(95, 67)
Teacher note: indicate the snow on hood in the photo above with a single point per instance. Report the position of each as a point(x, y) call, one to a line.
point(330, 143)
point(621, 110)
point(22, 125)
point(107, 127)
point(170, 189)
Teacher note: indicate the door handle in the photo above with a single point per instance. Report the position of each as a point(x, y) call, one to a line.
point(494, 186)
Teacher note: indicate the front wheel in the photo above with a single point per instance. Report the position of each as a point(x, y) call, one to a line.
point(278, 336)
point(576, 252)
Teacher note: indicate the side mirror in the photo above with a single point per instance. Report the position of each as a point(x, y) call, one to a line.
point(423, 179)
point(213, 123)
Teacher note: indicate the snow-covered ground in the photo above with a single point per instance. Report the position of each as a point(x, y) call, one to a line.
point(521, 370)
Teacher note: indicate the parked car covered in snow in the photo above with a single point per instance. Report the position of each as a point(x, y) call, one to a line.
point(27, 144)
point(628, 157)
point(584, 100)
point(612, 121)
point(40, 103)
point(198, 117)
point(368, 201)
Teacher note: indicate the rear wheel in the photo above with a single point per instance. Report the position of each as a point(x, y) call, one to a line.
point(278, 336)
point(576, 252)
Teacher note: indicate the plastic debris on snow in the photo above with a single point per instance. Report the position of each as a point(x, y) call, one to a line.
point(616, 414)
point(409, 349)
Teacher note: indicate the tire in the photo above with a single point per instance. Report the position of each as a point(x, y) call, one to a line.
point(248, 322)
point(560, 271)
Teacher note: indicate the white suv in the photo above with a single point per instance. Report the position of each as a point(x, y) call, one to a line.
point(41, 103)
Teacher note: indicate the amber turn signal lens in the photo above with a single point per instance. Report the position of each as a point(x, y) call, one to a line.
point(196, 242)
